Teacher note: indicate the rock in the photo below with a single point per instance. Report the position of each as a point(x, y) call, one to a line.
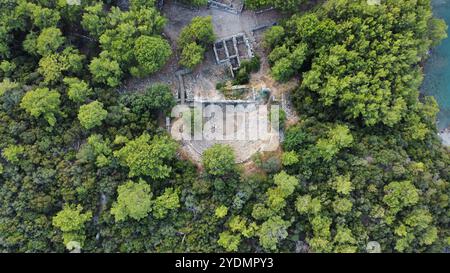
point(445, 137)
point(373, 247)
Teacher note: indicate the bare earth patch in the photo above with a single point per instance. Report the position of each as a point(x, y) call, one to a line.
point(200, 84)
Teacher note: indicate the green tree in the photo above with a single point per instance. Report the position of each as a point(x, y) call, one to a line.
point(96, 149)
point(285, 186)
point(285, 182)
point(272, 231)
point(192, 55)
point(71, 218)
point(438, 31)
point(343, 184)
point(322, 233)
point(400, 194)
point(287, 5)
point(7, 85)
point(49, 41)
point(338, 137)
point(77, 90)
point(276, 196)
point(290, 158)
point(273, 36)
point(52, 66)
point(71, 222)
point(7, 67)
point(169, 200)
point(92, 114)
point(305, 204)
point(12, 153)
point(196, 3)
point(193, 40)
point(43, 17)
point(299, 56)
point(219, 160)
point(94, 19)
point(342, 206)
point(344, 241)
point(105, 70)
point(134, 201)
point(151, 53)
point(229, 241)
point(199, 30)
point(279, 53)
point(155, 99)
point(145, 157)
point(283, 70)
point(118, 42)
point(221, 211)
point(42, 102)
point(363, 90)
point(162, 98)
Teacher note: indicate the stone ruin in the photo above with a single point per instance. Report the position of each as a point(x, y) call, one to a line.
point(232, 6)
point(232, 50)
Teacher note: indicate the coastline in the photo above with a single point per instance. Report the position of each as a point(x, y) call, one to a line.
point(445, 136)
point(436, 71)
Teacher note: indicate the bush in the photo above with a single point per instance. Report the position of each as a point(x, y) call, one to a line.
point(219, 160)
point(193, 40)
point(192, 55)
point(272, 165)
point(151, 53)
point(255, 64)
point(247, 66)
point(242, 76)
point(220, 86)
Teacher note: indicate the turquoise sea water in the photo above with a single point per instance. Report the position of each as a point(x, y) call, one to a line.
point(437, 69)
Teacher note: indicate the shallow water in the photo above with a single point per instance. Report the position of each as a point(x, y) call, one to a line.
point(437, 69)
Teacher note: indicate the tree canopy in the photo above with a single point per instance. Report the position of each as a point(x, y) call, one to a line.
point(194, 39)
point(86, 163)
point(151, 53)
point(147, 157)
point(92, 114)
point(134, 201)
point(219, 160)
point(42, 102)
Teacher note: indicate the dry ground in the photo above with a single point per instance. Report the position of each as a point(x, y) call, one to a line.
point(201, 83)
point(245, 144)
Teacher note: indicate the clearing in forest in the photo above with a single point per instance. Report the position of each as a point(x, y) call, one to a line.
point(241, 36)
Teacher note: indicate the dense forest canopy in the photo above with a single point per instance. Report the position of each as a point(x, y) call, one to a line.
point(85, 167)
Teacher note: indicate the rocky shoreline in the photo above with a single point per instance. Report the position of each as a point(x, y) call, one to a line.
point(445, 136)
